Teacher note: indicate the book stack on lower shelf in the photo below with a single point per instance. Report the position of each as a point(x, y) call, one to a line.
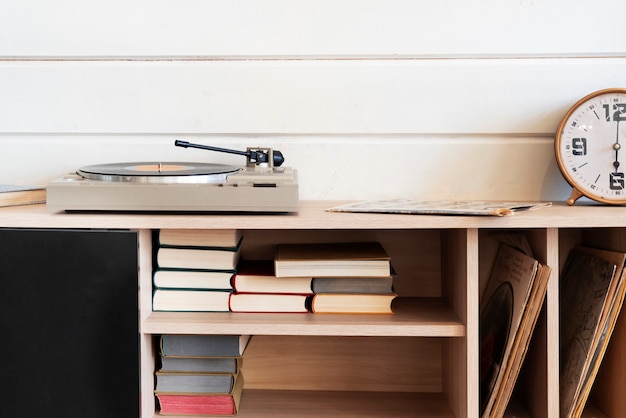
point(194, 269)
point(346, 277)
point(200, 374)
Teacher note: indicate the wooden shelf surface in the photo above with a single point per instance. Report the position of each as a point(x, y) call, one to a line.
point(313, 215)
point(420, 317)
point(327, 404)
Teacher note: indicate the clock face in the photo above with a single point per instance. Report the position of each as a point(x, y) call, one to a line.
point(591, 147)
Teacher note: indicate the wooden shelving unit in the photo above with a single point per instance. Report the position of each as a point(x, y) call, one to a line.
point(420, 362)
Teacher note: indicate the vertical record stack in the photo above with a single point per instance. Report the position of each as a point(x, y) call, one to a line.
point(200, 374)
point(592, 292)
point(509, 307)
point(193, 269)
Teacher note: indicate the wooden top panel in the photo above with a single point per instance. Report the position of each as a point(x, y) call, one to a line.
point(313, 215)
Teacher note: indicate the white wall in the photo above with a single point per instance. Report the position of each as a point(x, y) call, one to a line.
point(367, 99)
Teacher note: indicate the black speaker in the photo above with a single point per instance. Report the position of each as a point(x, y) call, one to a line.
point(69, 337)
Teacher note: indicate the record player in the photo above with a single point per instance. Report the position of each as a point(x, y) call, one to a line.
point(263, 185)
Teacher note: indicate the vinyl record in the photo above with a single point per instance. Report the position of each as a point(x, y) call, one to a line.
point(495, 327)
point(158, 172)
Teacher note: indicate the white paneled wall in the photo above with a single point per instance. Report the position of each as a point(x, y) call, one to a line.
point(367, 99)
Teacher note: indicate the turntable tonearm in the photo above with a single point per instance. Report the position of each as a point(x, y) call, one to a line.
point(261, 186)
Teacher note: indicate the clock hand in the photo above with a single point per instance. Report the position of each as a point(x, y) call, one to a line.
point(616, 147)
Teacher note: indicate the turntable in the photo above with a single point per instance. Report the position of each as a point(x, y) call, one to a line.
point(261, 186)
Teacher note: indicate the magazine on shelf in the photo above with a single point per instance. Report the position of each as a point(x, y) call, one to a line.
point(441, 207)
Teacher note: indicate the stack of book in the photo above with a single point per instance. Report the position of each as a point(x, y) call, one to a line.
point(351, 277)
point(200, 374)
point(194, 269)
point(257, 289)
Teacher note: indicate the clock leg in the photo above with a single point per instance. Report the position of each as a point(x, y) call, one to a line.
point(574, 196)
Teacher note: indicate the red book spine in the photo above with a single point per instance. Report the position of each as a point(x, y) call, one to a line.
point(197, 404)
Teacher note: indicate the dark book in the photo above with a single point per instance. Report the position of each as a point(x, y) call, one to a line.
point(202, 404)
point(174, 345)
point(362, 285)
point(353, 259)
point(352, 303)
point(193, 383)
point(268, 302)
point(190, 300)
point(201, 364)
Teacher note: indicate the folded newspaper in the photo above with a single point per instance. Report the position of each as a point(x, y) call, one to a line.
point(441, 207)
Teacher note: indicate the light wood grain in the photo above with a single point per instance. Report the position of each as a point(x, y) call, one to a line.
point(323, 404)
point(312, 215)
point(347, 363)
point(147, 352)
point(413, 317)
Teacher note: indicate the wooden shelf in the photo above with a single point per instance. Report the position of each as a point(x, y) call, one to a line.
point(313, 215)
point(309, 365)
point(413, 317)
point(327, 404)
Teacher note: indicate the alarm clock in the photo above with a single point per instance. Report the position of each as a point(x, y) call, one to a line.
point(588, 147)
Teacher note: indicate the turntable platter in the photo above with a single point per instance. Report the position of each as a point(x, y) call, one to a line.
point(159, 172)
